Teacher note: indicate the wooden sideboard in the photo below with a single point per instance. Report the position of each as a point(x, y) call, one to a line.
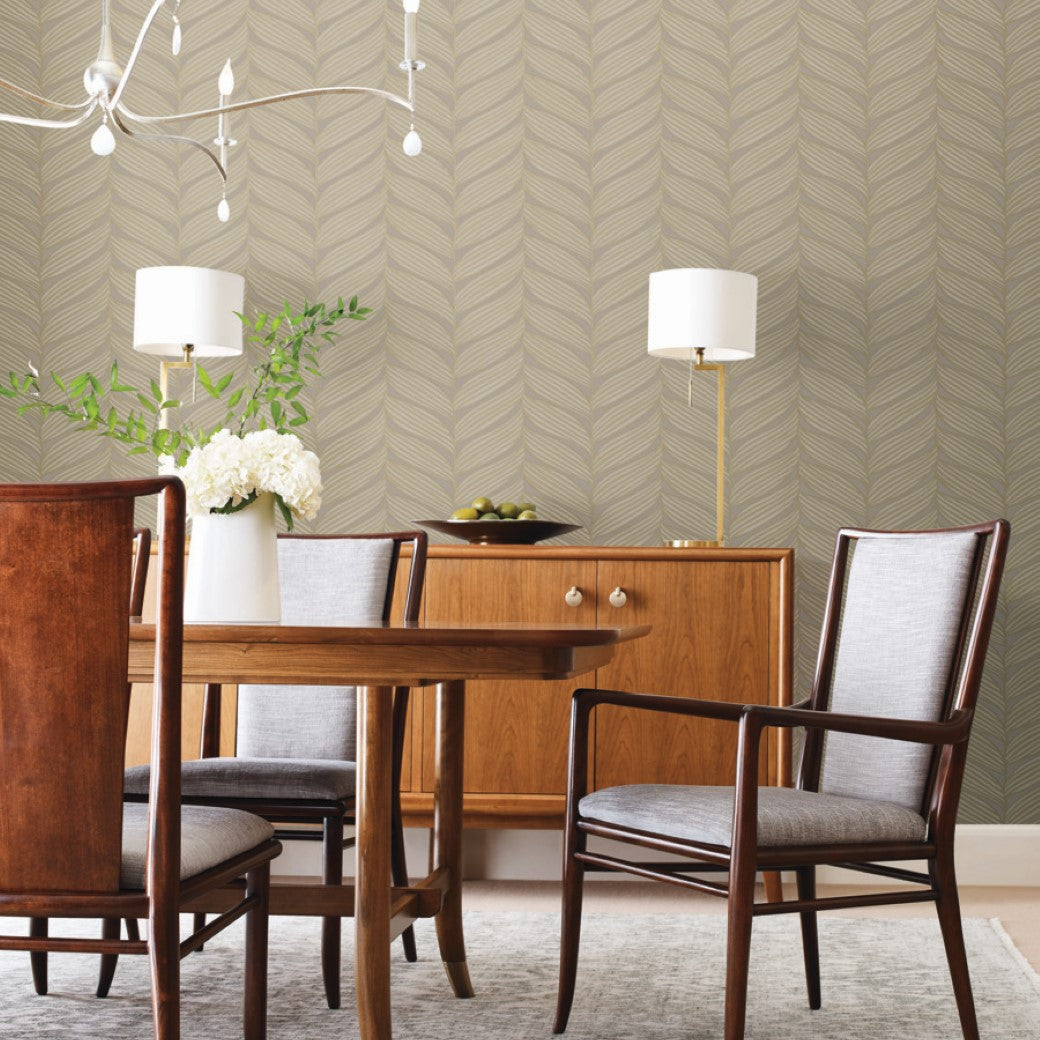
point(721, 629)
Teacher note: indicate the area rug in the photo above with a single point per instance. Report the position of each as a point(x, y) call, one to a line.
point(648, 977)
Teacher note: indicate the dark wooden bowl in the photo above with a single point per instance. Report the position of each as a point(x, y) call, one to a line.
point(499, 532)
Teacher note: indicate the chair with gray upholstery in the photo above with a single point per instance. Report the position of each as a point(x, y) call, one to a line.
point(905, 632)
point(70, 848)
point(294, 759)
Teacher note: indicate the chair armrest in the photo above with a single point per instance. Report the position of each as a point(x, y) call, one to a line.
point(584, 700)
point(917, 731)
point(753, 720)
point(725, 710)
point(798, 715)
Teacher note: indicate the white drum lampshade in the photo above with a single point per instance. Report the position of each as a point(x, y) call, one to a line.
point(176, 307)
point(701, 308)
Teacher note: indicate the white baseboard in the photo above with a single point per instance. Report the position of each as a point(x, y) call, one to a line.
point(987, 854)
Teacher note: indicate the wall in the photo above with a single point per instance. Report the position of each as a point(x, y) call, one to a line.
point(873, 162)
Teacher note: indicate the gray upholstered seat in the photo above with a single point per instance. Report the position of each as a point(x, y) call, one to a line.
point(279, 778)
point(785, 816)
point(209, 836)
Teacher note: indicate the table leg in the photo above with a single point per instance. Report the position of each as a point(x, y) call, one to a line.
point(447, 831)
point(372, 879)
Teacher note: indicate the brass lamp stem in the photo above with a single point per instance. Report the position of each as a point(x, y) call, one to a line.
point(187, 360)
point(698, 364)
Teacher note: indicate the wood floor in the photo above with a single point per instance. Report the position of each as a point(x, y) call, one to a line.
point(1017, 908)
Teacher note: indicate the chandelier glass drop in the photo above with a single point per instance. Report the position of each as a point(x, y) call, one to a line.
point(105, 81)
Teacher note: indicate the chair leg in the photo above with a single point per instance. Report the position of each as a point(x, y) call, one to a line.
point(738, 944)
point(258, 883)
point(109, 960)
point(806, 880)
point(398, 864)
point(164, 957)
point(947, 905)
point(331, 927)
point(38, 960)
point(109, 930)
point(198, 921)
point(570, 927)
point(399, 870)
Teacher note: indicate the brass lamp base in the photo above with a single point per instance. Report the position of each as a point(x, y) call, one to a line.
point(691, 543)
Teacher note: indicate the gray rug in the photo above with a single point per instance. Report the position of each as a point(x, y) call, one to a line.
point(648, 977)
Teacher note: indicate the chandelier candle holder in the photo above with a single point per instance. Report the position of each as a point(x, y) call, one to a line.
point(105, 82)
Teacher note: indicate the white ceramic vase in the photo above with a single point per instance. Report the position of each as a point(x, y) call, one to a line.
point(233, 567)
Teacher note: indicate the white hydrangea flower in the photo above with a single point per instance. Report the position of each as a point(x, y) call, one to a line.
point(229, 469)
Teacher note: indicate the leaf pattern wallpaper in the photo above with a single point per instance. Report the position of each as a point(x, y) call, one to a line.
point(873, 162)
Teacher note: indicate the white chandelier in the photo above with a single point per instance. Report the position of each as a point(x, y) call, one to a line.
point(105, 81)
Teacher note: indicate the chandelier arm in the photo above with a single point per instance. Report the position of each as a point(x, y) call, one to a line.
point(242, 106)
point(132, 61)
point(175, 138)
point(39, 99)
point(49, 124)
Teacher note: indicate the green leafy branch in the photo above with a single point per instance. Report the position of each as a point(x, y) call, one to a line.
point(287, 343)
point(92, 405)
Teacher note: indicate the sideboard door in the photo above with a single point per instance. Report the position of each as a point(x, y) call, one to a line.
point(711, 638)
point(516, 732)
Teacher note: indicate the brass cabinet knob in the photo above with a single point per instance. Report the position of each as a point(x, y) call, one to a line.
point(618, 597)
point(573, 598)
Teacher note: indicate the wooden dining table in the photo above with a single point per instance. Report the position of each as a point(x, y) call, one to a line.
point(377, 658)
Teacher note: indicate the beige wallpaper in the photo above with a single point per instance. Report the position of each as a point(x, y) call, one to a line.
point(872, 161)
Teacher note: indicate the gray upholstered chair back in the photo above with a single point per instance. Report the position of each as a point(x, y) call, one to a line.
point(324, 581)
point(902, 613)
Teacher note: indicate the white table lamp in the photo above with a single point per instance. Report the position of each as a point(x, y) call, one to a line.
point(705, 317)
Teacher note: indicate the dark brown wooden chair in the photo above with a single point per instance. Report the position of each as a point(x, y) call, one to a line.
point(295, 746)
point(905, 633)
point(71, 849)
point(140, 555)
